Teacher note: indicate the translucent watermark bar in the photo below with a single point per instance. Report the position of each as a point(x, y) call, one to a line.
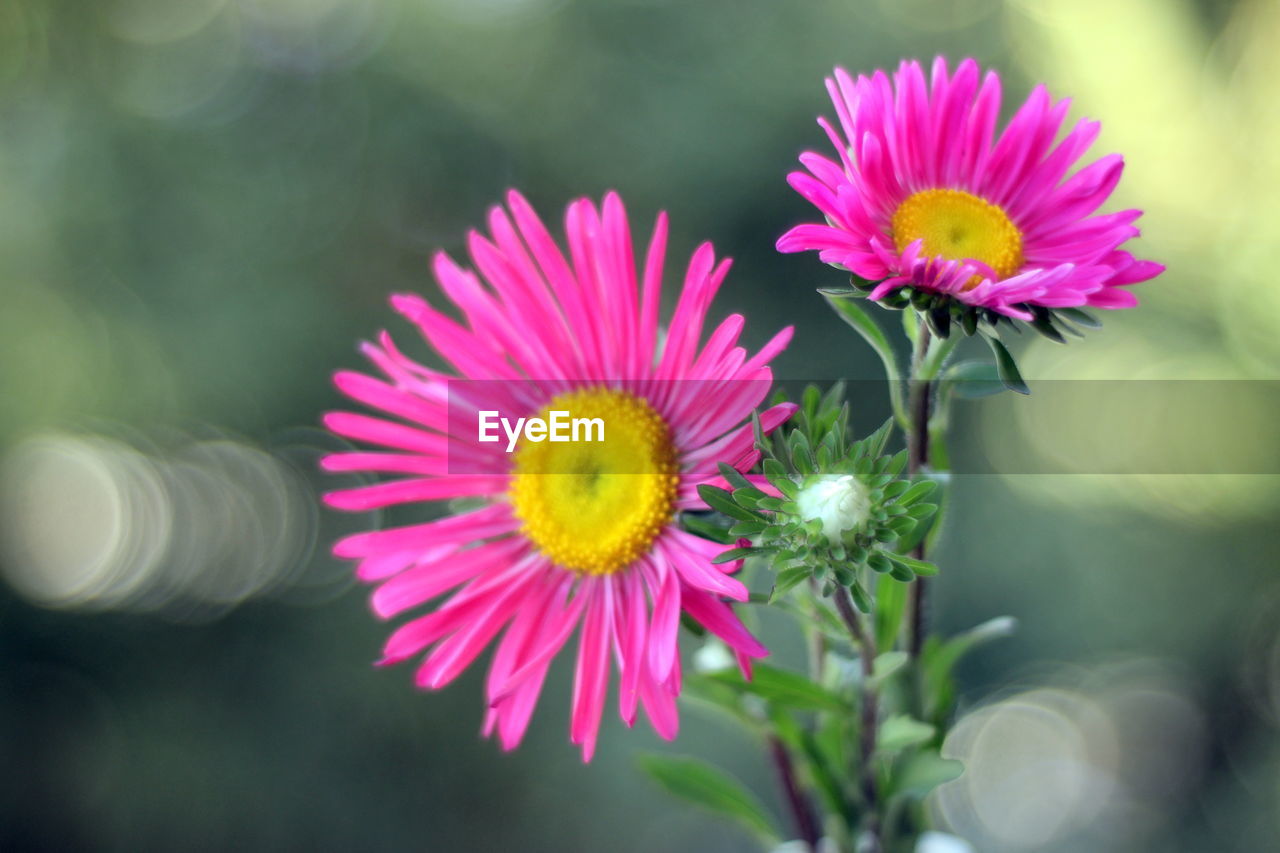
point(1109, 427)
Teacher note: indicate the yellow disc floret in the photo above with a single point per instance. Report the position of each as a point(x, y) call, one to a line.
point(594, 506)
point(959, 226)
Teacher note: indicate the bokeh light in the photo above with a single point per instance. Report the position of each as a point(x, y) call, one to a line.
point(91, 522)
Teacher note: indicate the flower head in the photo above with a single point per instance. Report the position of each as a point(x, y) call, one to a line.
point(576, 535)
point(929, 206)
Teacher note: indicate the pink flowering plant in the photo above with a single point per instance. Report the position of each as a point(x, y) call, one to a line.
point(639, 535)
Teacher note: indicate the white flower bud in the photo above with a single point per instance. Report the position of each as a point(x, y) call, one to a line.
point(839, 501)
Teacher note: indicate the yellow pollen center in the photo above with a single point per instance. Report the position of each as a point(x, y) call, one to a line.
point(959, 226)
point(595, 506)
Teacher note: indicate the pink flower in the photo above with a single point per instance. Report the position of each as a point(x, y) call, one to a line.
point(571, 536)
point(925, 195)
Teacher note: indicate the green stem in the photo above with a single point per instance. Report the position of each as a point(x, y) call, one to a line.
point(918, 411)
point(865, 640)
point(797, 801)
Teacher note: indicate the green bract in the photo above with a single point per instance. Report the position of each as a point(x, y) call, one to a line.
point(881, 514)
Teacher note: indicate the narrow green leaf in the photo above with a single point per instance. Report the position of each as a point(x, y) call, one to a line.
point(876, 442)
point(861, 321)
point(732, 554)
point(809, 402)
point(899, 732)
point(746, 528)
point(787, 580)
point(891, 606)
point(900, 572)
point(923, 772)
point(952, 650)
point(711, 788)
point(922, 511)
point(784, 687)
point(861, 600)
point(887, 663)
point(720, 500)
point(914, 566)
point(901, 527)
point(1006, 367)
point(704, 528)
point(734, 477)
point(748, 498)
point(917, 491)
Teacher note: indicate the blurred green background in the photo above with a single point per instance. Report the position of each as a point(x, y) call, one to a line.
point(203, 205)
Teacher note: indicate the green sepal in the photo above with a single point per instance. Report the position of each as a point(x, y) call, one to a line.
point(1006, 367)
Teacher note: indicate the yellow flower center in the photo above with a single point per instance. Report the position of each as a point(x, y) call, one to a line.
point(595, 506)
point(959, 226)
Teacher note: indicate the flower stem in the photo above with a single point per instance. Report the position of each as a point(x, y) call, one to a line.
point(801, 809)
point(870, 715)
point(918, 413)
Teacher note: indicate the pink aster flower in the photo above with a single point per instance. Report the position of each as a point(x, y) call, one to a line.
point(926, 195)
point(570, 536)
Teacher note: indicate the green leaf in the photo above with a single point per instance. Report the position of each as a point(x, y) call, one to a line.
point(922, 511)
point(731, 555)
point(749, 497)
point(711, 788)
point(861, 321)
point(787, 580)
point(1006, 367)
point(923, 772)
point(875, 443)
point(891, 606)
point(899, 732)
point(920, 568)
point(734, 477)
point(746, 528)
point(705, 529)
point(917, 491)
point(809, 402)
point(888, 663)
point(784, 687)
point(789, 488)
point(953, 649)
point(861, 600)
point(721, 501)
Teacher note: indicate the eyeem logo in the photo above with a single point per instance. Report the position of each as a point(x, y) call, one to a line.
point(557, 426)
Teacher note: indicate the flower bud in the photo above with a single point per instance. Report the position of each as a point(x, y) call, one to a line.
point(839, 501)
